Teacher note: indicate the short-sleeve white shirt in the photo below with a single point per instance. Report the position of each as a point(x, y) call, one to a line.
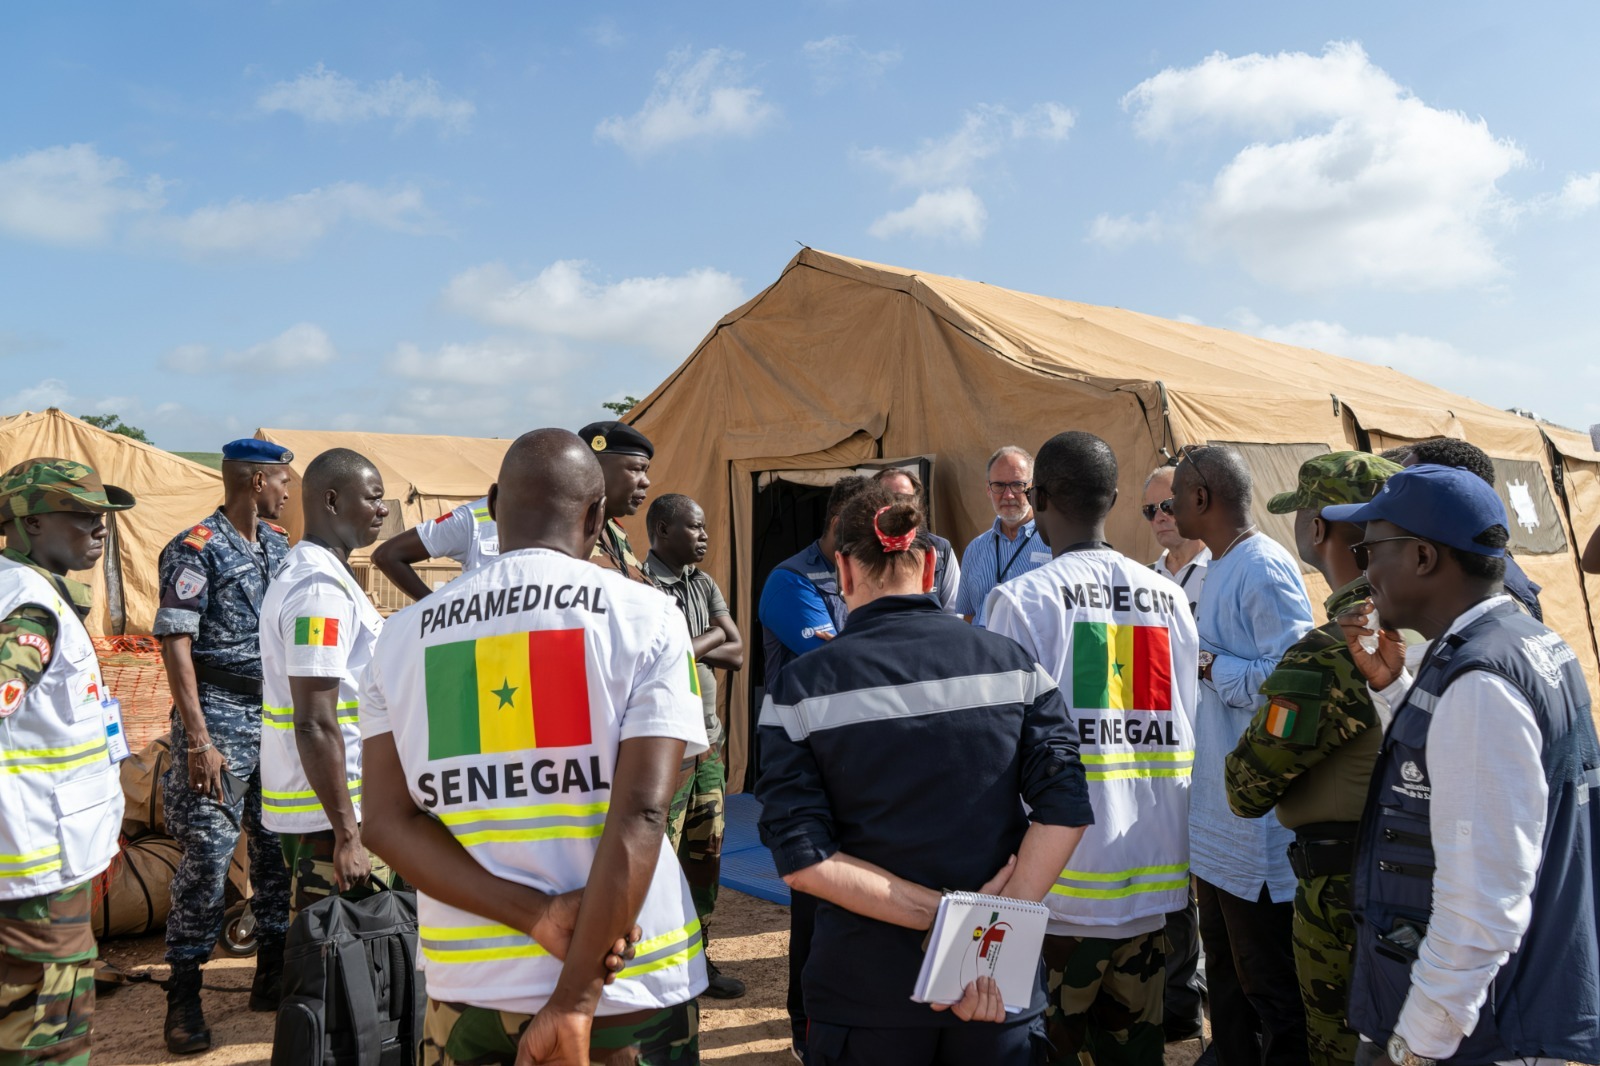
point(467, 534)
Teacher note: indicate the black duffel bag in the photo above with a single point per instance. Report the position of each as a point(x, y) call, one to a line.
point(352, 995)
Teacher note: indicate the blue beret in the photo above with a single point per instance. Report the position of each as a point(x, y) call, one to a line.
point(250, 450)
point(616, 438)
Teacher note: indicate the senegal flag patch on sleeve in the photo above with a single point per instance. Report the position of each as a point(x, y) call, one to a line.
point(317, 632)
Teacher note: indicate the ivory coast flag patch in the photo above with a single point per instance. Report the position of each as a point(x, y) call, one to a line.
point(317, 632)
point(1121, 668)
point(507, 693)
point(1280, 717)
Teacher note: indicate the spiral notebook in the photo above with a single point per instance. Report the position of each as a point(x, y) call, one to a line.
point(977, 936)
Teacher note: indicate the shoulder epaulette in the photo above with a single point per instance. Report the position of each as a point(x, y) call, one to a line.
point(197, 537)
point(275, 527)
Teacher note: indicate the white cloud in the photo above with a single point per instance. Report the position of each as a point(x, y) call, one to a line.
point(489, 362)
point(288, 227)
point(1122, 230)
point(956, 213)
point(837, 60)
point(70, 194)
point(1348, 179)
point(668, 314)
point(1427, 358)
point(50, 392)
point(1579, 194)
point(323, 95)
point(300, 347)
point(984, 132)
point(695, 97)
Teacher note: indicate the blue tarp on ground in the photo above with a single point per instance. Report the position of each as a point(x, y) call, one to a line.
point(746, 862)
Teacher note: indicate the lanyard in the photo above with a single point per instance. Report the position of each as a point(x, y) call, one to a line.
point(999, 574)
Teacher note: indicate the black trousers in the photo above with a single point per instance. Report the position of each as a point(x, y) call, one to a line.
point(1256, 1013)
point(802, 923)
point(1183, 1007)
point(963, 1044)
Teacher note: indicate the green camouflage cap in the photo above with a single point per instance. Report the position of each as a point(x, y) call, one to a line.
point(43, 485)
point(1337, 477)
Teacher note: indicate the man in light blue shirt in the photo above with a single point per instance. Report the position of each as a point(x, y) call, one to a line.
point(1254, 608)
point(1010, 547)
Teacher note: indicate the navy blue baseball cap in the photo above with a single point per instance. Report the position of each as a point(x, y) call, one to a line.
point(1444, 504)
point(250, 450)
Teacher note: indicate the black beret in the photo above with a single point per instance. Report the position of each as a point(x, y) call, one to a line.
point(616, 438)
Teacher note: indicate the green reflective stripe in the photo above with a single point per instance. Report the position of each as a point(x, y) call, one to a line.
point(669, 949)
point(477, 943)
point(29, 864)
point(1123, 775)
point(283, 717)
point(1064, 887)
point(53, 760)
point(1102, 759)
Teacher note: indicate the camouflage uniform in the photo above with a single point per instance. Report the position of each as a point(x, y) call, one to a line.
point(1106, 988)
point(613, 552)
point(455, 1034)
point(1309, 752)
point(47, 945)
point(695, 826)
point(308, 858)
point(212, 582)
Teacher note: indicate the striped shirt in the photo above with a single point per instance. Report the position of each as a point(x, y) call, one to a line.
point(991, 559)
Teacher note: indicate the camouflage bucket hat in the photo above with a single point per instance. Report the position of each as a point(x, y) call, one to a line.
point(1335, 478)
point(43, 485)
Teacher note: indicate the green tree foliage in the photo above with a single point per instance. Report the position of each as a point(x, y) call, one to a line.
point(115, 424)
point(621, 407)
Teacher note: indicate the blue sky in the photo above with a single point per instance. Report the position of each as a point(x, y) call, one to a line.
point(481, 218)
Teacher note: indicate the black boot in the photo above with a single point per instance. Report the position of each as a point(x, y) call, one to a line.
point(187, 1031)
point(267, 988)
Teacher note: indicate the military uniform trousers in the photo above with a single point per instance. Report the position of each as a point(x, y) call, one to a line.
point(208, 828)
point(1324, 955)
point(456, 1034)
point(309, 860)
point(695, 826)
point(47, 953)
point(1106, 997)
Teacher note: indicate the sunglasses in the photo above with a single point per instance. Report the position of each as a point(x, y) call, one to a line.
point(1189, 454)
point(1363, 553)
point(1149, 510)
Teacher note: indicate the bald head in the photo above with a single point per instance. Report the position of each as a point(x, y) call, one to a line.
point(339, 469)
point(550, 494)
point(341, 494)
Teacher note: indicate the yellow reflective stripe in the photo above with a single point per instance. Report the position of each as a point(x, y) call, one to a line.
point(544, 832)
point(95, 755)
point(43, 861)
point(283, 717)
point(1123, 875)
point(662, 963)
point(1097, 759)
point(465, 932)
point(529, 949)
point(481, 514)
point(51, 753)
point(1118, 893)
point(656, 943)
point(547, 810)
point(275, 800)
point(1123, 775)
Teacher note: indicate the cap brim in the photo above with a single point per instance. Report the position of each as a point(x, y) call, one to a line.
point(1284, 502)
point(1351, 512)
point(623, 449)
point(117, 499)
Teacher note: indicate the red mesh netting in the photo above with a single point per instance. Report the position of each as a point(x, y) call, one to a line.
point(133, 672)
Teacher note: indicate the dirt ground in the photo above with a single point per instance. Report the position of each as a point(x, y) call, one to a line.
point(750, 942)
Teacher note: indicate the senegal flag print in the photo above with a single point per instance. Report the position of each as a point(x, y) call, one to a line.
point(507, 693)
point(1121, 668)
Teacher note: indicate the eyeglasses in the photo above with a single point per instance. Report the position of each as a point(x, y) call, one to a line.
point(1149, 510)
point(1364, 555)
point(1188, 453)
point(1014, 488)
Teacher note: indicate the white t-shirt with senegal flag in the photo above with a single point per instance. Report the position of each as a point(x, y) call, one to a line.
point(316, 621)
point(467, 534)
point(1122, 641)
point(508, 694)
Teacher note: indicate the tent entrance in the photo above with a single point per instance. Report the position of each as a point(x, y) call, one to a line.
point(788, 508)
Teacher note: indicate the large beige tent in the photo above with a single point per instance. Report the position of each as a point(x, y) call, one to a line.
point(424, 476)
point(842, 363)
point(172, 493)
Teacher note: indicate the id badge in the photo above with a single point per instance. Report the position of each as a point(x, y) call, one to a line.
point(116, 739)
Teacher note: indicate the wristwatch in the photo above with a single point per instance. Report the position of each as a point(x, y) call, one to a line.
point(1206, 659)
point(1400, 1053)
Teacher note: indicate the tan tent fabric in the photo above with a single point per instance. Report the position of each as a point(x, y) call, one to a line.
point(429, 475)
point(842, 360)
point(172, 493)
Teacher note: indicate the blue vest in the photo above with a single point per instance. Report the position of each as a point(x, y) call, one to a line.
point(1545, 1000)
point(810, 565)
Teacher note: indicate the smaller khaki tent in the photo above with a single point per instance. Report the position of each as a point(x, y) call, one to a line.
point(424, 476)
point(842, 364)
point(172, 494)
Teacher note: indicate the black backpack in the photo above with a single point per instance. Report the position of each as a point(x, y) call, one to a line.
point(352, 995)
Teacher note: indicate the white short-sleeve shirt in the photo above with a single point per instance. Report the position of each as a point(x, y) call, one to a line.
point(467, 534)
